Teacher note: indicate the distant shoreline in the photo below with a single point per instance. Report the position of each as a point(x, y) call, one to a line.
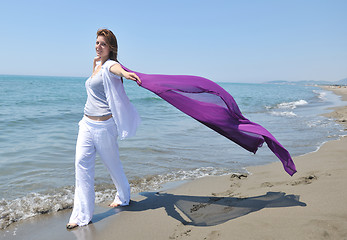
point(337, 89)
point(38, 76)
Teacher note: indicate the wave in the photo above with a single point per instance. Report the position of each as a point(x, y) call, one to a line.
point(146, 98)
point(286, 105)
point(284, 114)
point(321, 95)
point(156, 181)
point(317, 123)
point(34, 204)
point(59, 199)
point(292, 105)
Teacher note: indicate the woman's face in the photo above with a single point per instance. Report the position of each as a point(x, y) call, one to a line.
point(101, 48)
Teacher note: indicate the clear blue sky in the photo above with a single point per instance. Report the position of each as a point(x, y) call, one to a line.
point(234, 41)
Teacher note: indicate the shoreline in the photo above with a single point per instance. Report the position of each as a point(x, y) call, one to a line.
point(338, 113)
point(266, 204)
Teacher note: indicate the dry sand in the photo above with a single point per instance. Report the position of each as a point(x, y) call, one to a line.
point(267, 204)
point(340, 113)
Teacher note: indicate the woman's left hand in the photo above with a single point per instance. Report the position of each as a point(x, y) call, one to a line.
point(132, 76)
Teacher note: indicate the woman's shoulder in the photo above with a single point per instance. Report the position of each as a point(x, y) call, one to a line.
point(109, 63)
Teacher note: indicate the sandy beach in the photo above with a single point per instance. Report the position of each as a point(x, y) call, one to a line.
point(265, 204)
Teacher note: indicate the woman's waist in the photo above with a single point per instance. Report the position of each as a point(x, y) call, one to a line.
point(99, 118)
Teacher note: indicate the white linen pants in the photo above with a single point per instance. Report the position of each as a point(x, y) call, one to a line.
point(100, 137)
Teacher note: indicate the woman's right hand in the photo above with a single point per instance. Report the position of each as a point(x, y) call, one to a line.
point(97, 59)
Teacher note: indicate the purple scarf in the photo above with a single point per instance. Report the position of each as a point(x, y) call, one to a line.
point(214, 107)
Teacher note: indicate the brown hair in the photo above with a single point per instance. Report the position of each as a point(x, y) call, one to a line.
point(111, 41)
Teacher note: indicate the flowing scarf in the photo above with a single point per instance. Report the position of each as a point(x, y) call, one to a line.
point(211, 105)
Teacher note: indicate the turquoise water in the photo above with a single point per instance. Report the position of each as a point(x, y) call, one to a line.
point(39, 122)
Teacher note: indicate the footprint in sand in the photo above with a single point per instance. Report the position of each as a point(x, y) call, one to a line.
point(181, 232)
point(303, 180)
point(213, 235)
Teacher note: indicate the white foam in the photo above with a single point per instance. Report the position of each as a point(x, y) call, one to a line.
point(154, 182)
point(33, 204)
point(314, 123)
point(284, 114)
point(292, 105)
point(321, 95)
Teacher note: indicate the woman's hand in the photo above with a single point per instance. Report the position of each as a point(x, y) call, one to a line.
point(96, 59)
point(132, 76)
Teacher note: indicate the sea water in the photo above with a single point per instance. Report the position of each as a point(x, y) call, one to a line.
point(39, 123)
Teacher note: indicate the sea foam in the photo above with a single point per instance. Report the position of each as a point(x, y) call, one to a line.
point(292, 105)
point(284, 114)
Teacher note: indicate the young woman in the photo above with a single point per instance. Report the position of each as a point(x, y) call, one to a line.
point(108, 114)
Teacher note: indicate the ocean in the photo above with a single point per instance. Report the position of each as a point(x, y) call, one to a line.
point(39, 123)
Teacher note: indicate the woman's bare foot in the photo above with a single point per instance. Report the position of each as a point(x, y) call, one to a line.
point(71, 225)
point(114, 204)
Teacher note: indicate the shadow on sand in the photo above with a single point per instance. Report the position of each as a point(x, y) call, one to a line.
point(205, 211)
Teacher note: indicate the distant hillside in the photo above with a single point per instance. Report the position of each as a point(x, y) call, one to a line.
point(278, 82)
point(310, 82)
point(313, 82)
point(304, 82)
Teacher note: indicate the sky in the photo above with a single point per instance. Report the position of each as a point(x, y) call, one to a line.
point(224, 41)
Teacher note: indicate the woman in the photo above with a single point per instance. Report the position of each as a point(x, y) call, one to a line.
point(108, 114)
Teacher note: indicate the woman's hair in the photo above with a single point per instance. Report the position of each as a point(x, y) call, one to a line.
point(111, 41)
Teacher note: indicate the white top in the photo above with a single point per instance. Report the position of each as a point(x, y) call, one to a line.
point(96, 104)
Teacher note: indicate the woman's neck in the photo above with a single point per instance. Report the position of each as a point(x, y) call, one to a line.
point(103, 60)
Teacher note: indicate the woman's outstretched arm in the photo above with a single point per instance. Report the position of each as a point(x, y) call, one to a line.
point(118, 70)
